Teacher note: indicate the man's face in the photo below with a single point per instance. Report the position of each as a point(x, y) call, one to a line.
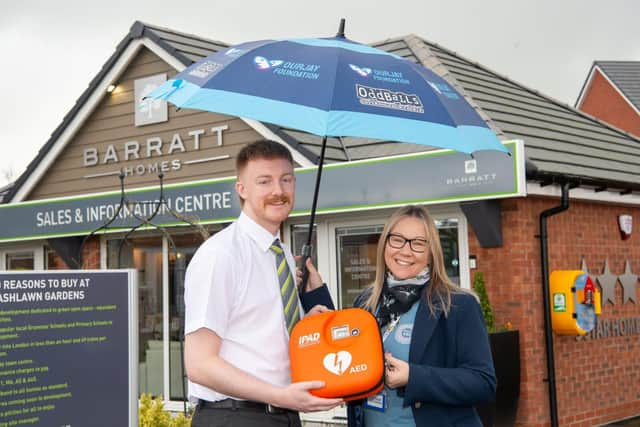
point(267, 187)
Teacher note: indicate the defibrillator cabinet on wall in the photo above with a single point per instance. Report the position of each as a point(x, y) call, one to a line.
point(575, 302)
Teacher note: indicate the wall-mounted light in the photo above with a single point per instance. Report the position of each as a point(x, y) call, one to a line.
point(111, 88)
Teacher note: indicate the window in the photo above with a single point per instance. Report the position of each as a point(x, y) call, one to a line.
point(20, 261)
point(20, 256)
point(356, 248)
point(448, 231)
point(299, 236)
point(161, 273)
point(52, 261)
point(179, 258)
point(356, 245)
point(145, 255)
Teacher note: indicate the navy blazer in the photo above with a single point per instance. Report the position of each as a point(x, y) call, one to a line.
point(317, 296)
point(450, 367)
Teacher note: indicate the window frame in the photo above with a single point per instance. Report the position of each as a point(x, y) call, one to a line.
point(170, 405)
point(36, 248)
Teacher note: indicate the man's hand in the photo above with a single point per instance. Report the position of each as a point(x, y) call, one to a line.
point(206, 367)
point(317, 309)
point(315, 281)
point(396, 372)
point(297, 397)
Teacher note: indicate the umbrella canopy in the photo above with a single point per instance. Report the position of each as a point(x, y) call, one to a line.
point(332, 87)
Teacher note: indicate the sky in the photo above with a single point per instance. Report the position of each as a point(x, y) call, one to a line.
point(50, 50)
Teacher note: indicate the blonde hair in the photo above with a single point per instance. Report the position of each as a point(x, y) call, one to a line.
point(438, 293)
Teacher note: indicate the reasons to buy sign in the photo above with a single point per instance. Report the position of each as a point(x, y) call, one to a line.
point(65, 349)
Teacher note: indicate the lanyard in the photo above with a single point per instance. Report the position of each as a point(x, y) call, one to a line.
point(390, 327)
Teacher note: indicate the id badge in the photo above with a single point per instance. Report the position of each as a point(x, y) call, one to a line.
point(377, 402)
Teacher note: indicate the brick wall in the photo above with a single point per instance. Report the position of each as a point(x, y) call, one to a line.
point(90, 257)
point(597, 380)
point(91, 254)
point(604, 102)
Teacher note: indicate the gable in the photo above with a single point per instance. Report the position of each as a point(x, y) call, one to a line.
point(603, 100)
point(190, 145)
point(625, 76)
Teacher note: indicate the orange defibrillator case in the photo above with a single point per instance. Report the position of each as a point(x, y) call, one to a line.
point(343, 348)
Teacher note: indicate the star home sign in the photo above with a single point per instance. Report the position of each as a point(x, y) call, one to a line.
point(628, 281)
point(608, 281)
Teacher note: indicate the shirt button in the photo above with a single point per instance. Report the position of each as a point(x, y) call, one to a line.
point(417, 405)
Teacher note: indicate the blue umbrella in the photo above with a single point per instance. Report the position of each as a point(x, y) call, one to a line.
point(331, 87)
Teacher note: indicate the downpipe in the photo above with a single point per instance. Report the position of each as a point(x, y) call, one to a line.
point(548, 333)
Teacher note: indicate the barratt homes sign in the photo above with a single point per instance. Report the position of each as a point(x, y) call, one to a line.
point(146, 153)
point(153, 154)
point(438, 176)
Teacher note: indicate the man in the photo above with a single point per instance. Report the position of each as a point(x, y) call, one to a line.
point(237, 325)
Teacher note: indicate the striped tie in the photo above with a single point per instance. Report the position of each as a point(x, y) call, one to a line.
point(288, 290)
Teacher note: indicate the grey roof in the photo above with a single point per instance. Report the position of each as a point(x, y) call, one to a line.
point(184, 47)
point(4, 191)
point(187, 48)
point(561, 143)
point(625, 75)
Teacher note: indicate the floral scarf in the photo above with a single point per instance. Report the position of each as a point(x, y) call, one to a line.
point(398, 296)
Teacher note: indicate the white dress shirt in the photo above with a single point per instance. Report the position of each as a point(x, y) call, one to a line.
point(232, 288)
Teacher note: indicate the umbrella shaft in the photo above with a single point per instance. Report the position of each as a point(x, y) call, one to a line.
point(316, 190)
point(306, 250)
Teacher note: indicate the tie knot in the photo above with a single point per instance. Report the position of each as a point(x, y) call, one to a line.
point(275, 247)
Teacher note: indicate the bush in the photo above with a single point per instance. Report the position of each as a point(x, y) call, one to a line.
point(485, 305)
point(151, 413)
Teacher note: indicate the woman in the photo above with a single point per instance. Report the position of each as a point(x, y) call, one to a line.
point(438, 361)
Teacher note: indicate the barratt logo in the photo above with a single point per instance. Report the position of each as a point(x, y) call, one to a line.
point(471, 176)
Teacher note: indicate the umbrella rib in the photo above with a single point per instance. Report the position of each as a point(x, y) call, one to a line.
point(344, 148)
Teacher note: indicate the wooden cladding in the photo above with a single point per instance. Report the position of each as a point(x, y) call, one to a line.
point(179, 146)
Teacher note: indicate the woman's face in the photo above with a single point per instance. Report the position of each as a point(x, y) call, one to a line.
point(405, 262)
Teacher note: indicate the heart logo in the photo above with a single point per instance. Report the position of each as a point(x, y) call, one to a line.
point(337, 363)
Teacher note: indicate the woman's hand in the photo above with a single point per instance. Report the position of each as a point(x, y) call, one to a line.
point(317, 309)
point(314, 281)
point(396, 372)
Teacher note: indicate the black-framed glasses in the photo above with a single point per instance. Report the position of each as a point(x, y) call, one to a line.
point(397, 241)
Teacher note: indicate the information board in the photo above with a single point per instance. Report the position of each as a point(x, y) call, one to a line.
point(68, 348)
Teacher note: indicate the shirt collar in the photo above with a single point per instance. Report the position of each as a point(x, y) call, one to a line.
point(258, 233)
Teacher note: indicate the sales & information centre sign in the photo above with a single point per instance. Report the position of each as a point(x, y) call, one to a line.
point(439, 176)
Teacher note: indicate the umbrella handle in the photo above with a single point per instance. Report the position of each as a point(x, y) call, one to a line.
point(306, 254)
